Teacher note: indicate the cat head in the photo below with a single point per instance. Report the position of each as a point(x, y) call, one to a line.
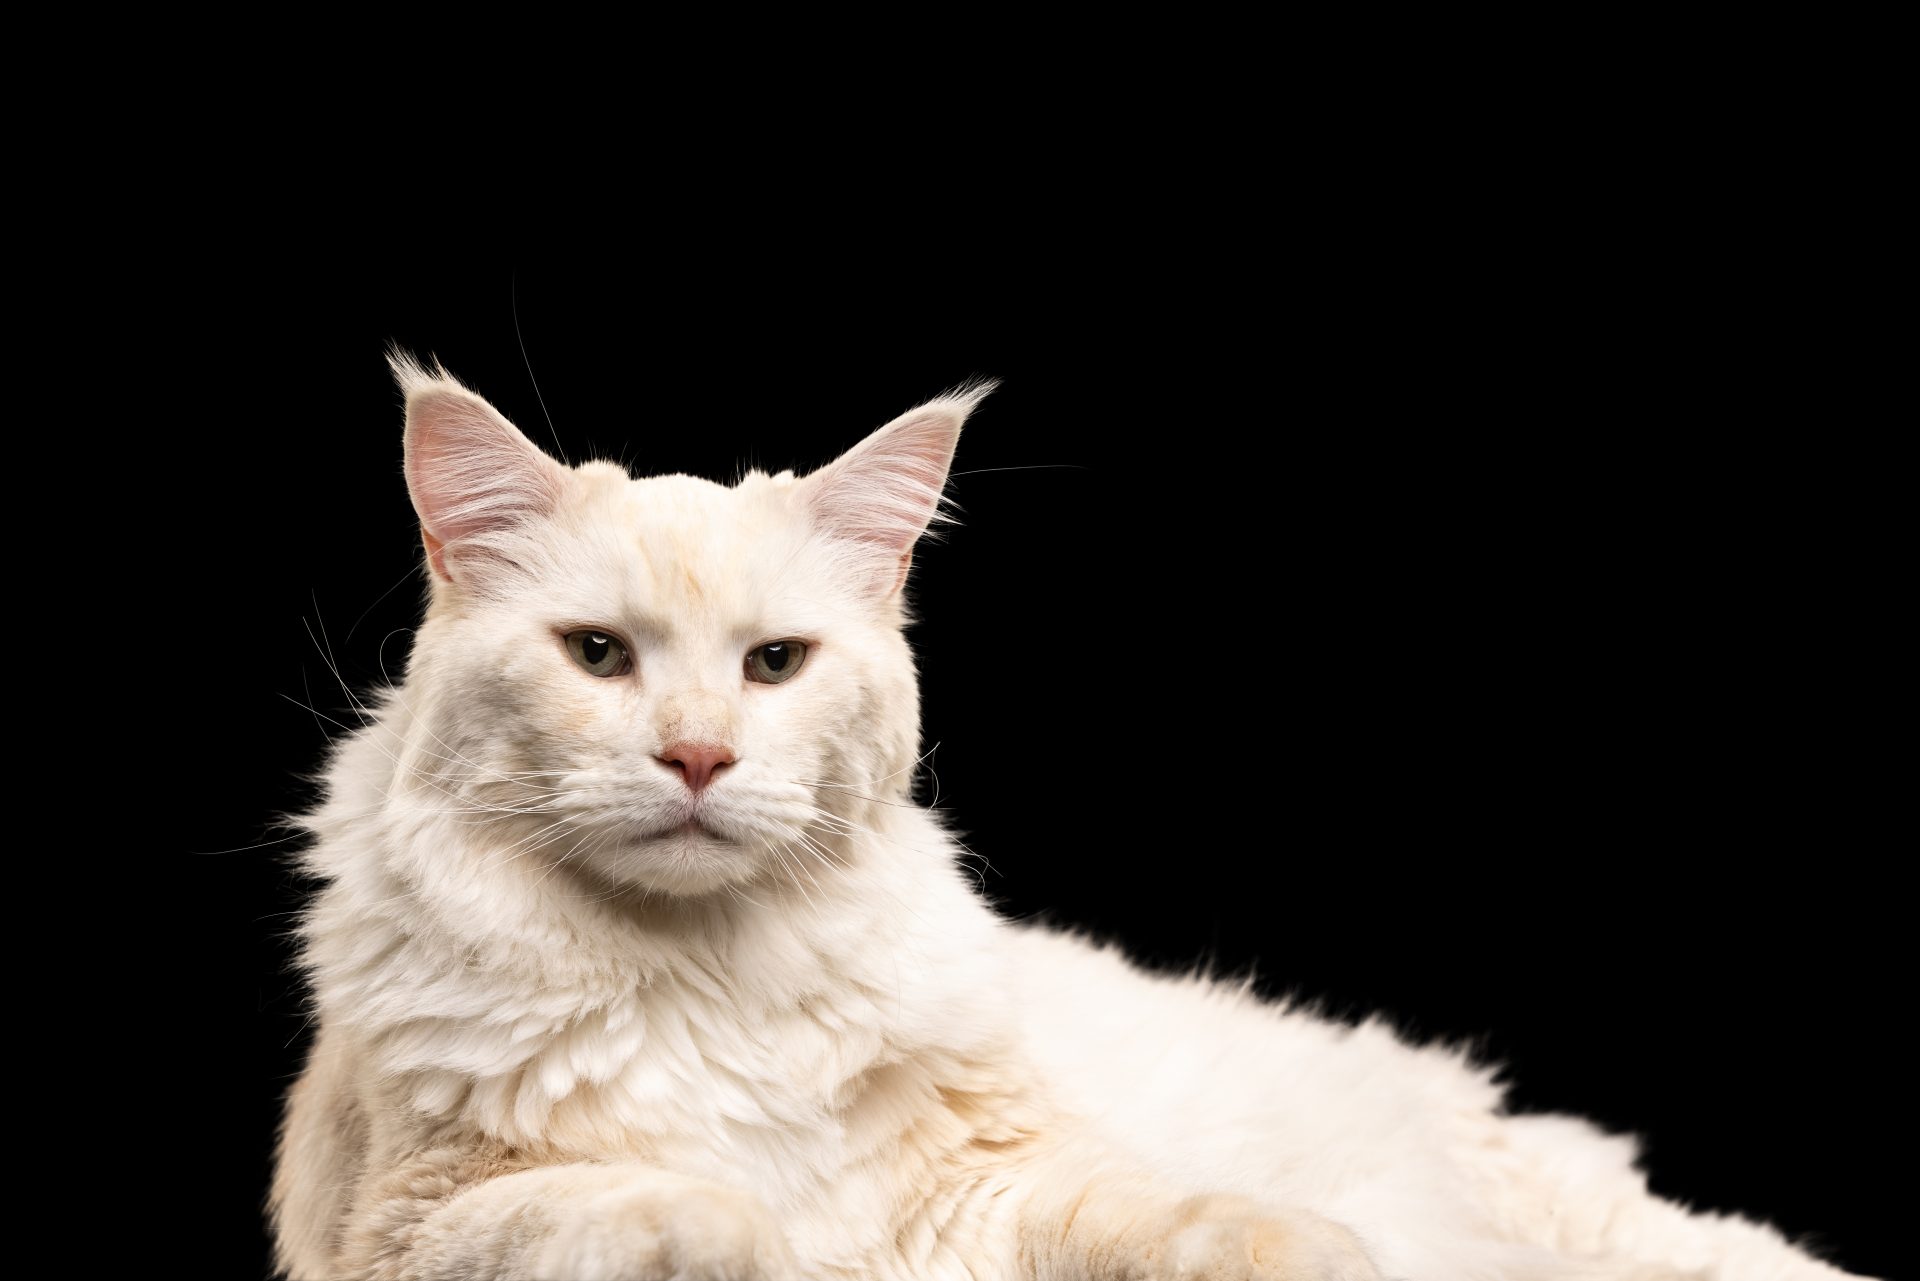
point(665, 683)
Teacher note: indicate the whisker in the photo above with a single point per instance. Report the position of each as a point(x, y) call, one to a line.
point(981, 471)
point(241, 849)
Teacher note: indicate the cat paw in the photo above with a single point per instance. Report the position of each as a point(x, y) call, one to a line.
point(1227, 1239)
point(695, 1234)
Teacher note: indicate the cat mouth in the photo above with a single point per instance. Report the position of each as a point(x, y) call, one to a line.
point(685, 829)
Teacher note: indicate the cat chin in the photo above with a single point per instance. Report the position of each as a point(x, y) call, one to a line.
point(686, 862)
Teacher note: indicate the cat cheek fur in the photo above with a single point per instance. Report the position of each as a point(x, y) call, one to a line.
point(553, 1045)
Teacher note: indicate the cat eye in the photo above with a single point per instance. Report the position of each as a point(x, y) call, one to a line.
point(597, 653)
point(771, 664)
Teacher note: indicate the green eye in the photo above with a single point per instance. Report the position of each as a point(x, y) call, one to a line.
point(771, 664)
point(597, 653)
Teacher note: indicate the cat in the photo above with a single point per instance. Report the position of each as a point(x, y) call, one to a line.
point(634, 959)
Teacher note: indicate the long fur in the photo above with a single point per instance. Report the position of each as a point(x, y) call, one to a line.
point(578, 1021)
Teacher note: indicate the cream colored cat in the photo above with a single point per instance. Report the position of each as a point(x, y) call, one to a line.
point(635, 960)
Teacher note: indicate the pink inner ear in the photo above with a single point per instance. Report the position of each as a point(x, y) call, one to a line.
point(436, 553)
point(471, 471)
point(887, 488)
point(881, 494)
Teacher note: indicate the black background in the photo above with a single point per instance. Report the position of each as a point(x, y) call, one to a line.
point(1424, 641)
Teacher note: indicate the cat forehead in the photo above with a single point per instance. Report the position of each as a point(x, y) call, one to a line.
point(684, 548)
point(757, 504)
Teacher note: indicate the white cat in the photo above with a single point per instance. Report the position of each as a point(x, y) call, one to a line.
point(635, 960)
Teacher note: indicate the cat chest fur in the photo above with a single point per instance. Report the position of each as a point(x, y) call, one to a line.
point(770, 1051)
point(810, 1108)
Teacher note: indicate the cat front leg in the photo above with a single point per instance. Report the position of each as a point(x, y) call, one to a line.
point(1128, 1228)
point(619, 1221)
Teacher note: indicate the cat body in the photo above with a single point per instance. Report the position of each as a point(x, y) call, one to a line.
point(634, 958)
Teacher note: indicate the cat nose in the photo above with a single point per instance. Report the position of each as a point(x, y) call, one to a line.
point(697, 762)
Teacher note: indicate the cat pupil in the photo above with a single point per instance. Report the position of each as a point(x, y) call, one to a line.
point(776, 656)
point(596, 648)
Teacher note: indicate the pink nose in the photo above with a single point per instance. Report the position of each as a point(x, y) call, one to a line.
point(697, 762)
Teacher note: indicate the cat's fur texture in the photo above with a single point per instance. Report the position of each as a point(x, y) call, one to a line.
point(563, 1035)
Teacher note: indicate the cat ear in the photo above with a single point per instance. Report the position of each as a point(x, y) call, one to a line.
point(880, 496)
point(470, 471)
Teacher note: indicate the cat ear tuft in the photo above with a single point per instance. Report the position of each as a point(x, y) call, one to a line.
point(472, 473)
point(881, 495)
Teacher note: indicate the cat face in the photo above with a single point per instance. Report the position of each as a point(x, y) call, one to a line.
point(665, 683)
